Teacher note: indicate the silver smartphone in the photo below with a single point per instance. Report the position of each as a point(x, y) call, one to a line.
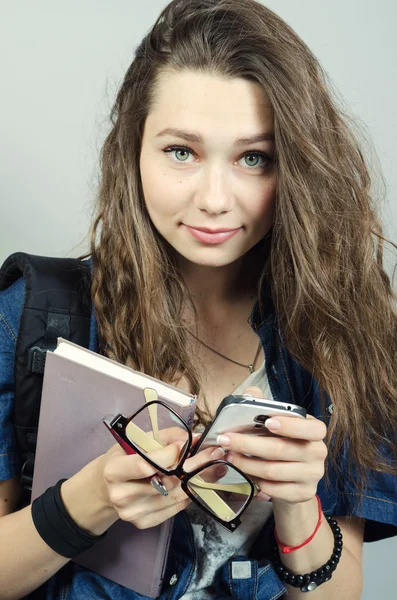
point(245, 414)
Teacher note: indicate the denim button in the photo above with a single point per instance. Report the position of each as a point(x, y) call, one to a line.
point(173, 579)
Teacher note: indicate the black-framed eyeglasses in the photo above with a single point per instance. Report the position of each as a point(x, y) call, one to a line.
point(218, 487)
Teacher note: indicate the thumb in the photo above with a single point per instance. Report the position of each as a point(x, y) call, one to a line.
point(254, 391)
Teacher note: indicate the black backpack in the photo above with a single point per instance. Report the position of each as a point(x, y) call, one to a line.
point(57, 304)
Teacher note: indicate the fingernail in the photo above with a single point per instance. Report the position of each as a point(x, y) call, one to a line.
point(263, 497)
point(221, 471)
point(223, 440)
point(218, 453)
point(197, 435)
point(272, 424)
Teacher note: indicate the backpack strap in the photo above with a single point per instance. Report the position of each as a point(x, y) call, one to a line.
point(57, 304)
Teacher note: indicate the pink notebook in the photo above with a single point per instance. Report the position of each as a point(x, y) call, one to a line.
point(80, 387)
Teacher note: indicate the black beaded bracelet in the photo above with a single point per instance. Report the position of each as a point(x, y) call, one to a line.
point(57, 528)
point(310, 581)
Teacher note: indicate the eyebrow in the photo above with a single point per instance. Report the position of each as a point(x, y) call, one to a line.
point(194, 137)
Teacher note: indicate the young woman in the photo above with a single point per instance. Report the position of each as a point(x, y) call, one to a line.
point(235, 227)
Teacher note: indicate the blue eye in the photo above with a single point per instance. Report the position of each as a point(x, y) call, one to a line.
point(178, 149)
point(256, 154)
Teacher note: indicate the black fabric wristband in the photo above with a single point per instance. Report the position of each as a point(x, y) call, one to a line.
point(57, 528)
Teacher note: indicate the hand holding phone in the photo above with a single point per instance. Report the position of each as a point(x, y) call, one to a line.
point(285, 468)
point(245, 414)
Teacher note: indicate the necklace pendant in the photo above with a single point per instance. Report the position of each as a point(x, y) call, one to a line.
point(251, 368)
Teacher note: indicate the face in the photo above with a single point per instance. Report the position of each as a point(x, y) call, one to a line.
point(209, 192)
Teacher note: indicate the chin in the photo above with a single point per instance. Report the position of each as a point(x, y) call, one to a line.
point(212, 262)
point(207, 256)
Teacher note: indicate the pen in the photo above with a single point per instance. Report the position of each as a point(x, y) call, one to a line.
point(155, 480)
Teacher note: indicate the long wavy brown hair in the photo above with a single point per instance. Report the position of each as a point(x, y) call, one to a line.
point(333, 298)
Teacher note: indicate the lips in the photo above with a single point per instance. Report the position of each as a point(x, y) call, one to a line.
point(207, 230)
point(211, 236)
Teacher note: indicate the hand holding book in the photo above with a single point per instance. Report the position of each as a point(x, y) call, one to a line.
point(79, 388)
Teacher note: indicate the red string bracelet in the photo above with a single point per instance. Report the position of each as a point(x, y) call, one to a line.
point(288, 549)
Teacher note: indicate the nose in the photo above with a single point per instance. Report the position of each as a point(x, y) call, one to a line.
point(214, 195)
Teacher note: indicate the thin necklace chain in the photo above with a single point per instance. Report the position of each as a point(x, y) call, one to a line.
point(250, 366)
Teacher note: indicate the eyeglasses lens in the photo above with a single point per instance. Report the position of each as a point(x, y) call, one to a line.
point(222, 490)
point(156, 427)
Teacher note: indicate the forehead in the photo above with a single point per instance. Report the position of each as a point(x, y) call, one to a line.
point(205, 101)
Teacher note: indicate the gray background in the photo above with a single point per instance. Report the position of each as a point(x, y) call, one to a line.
point(61, 64)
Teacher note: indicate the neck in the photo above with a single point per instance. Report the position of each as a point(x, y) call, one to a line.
point(220, 286)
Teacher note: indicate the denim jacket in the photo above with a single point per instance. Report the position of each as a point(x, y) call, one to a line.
point(242, 577)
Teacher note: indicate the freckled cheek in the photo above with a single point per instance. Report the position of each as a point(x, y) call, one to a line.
point(165, 195)
point(154, 180)
point(262, 206)
point(162, 204)
point(160, 196)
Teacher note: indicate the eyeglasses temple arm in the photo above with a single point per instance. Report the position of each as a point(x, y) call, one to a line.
point(127, 449)
point(150, 395)
point(235, 488)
